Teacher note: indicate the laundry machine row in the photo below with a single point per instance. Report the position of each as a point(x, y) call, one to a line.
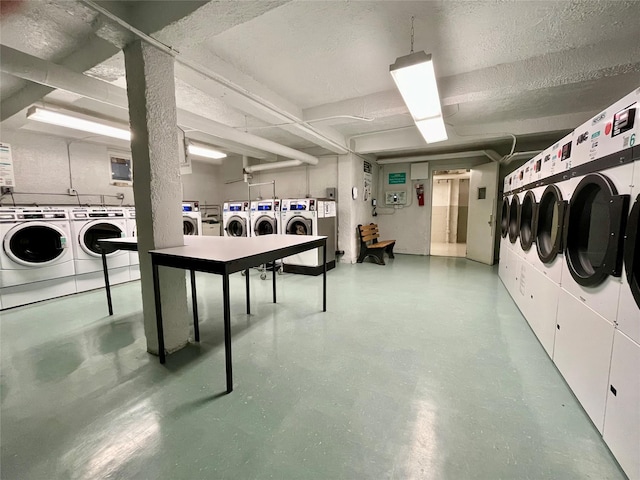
point(570, 237)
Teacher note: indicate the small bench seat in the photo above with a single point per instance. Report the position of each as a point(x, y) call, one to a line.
point(370, 246)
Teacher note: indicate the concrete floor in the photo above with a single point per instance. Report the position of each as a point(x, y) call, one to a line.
point(448, 249)
point(422, 368)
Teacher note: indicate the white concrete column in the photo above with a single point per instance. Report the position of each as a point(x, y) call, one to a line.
point(157, 189)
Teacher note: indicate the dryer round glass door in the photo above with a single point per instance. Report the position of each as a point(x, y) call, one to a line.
point(504, 218)
point(593, 230)
point(265, 226)
point(93, 232)
point(189, 226)
point(35, 244)
point(299, 226)
point(632, 251)
point(527, 220)
point(550, 219)
point(514, 219)
point(237, 227)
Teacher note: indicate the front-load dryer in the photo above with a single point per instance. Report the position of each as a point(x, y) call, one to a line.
point(134, 259)
point(265, 217)
point(191, 218)
point(36, 259)
point(88, 225)
point(309, 216)
point(235, 219)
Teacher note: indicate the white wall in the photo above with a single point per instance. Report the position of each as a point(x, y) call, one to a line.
point(42, 165)
point(408, 225)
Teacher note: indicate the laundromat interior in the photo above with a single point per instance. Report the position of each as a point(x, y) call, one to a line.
point(297, 239)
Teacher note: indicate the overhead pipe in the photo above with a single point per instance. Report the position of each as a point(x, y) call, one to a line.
point(28, 67)
point(273, 166)
point(490, 154)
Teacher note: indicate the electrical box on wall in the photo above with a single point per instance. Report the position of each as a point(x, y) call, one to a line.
point(395, 198)
point(420, 171)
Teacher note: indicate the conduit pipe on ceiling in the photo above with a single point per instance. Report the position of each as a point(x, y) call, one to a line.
point(28, 67)
point(213, 76)
point(507, 159)
point(490, 154)
point(273, 166)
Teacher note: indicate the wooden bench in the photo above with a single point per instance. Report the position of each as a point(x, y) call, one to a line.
point(370, 246)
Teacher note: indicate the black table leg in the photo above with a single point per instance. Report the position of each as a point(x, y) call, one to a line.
point(156, 292)
point(274, 281)
point(194, 302)
point(107, 286)
point(324, 276)
point(227, 331)
point(246, 277)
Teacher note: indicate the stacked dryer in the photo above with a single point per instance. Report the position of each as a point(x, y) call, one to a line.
point(310, 216)
point(236, 220)
point(36, 259)
point(581, 292)
point(88, 225)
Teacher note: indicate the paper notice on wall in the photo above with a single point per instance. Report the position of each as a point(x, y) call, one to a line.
point(368, 180)
point(7, 178)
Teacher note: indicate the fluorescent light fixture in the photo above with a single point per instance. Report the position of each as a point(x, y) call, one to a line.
point(416, 81)
point(205, 152)
point(69, 121)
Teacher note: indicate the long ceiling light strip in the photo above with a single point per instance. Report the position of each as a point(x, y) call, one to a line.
point(69, 121)
point(415, 78)
point(205, 152)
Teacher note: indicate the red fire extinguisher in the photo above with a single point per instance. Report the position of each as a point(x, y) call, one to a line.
point(420, 194)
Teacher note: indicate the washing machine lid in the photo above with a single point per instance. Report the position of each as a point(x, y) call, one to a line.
point(236, 226)
point(632, 251)
point(549, 224)
point(299, 226)
point(504, 218)
point(514, 219)
point(35, 244)
point(265, 226)
point(98, 230)
point(528, 210)
point(189, 225)
point(594, 230)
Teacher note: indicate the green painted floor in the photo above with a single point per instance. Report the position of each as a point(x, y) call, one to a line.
point(423, 368)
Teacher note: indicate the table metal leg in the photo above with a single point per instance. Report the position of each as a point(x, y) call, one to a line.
point(107, 286)
point(246, 278)
point(156, 292)
point(324, 277)
point(194, 303)
point(227, 331)
point(274, 281)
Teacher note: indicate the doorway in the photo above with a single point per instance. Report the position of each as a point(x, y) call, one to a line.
point(449, 213)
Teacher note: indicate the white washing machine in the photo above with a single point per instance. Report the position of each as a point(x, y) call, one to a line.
point(191, 218)
point(265, 217)
point(593, 236)
point(134, 259)
point(88, 225)
point(36, 259)
point(235, 219)
point(309, 216)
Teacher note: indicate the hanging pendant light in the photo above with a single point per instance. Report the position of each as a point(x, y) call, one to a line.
point(416, 80)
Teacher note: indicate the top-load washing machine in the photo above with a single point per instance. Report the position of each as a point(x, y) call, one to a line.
point(594, 229)
point(191, 218)
point(265, 217)
point(235, 219)
point(36, 259)
point(134, 258)
point(88, 225)
point(309, 216)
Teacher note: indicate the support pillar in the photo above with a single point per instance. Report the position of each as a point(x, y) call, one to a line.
point(157, 188)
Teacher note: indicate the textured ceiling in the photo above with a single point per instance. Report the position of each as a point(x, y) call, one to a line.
point(540, 67)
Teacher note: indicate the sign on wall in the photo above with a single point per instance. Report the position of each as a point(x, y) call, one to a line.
point(368, 180)
point(7, 178)
point(397, 178)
